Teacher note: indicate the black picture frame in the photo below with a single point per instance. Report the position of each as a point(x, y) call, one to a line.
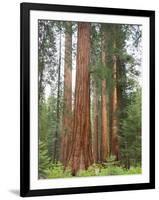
point(25, 9)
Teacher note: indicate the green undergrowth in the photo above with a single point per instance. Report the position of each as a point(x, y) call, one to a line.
point(57, 171)
point(109, 170)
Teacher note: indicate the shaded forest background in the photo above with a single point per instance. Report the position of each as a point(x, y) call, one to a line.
point(89, 95)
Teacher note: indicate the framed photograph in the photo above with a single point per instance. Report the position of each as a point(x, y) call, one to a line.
point(87, 99)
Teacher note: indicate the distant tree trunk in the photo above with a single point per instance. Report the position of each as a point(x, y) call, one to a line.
point(114, 120)
point(95, 126)
point(41, 67)
point(67, 112)
point(55, 137)
point(81, 150)
point(104, 136)
point(40, 89)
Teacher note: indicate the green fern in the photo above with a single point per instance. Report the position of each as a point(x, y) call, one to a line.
point(44, 160)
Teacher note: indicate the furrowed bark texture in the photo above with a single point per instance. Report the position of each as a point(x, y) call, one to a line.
point(67, 112)
point(95, 136)
point(104, 136)
point(114, 127)
point(81, 151)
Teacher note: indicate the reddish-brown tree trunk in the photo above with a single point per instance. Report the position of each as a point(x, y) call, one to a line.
point(114, 120)
point(104, 136)
point(95, 126)
point(67, 112)
point(81, 151)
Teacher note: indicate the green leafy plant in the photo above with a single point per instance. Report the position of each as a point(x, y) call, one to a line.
point(44, 160)
point(57, 171)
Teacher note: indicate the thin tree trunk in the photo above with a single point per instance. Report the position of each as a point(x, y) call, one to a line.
point(95, 136)
point(104, 136)
point(40, 90)
point(81, 151)
point(67, 112)
point(55, 138)
point(114, 121)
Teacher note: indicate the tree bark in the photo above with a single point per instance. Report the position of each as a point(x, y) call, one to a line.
point(114, 121)
point(81, 151)
point(104, 136)
point(67, 112)
point(55, 155)
point(95, 127)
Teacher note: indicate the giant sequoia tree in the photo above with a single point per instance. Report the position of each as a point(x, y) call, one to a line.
point(114, 120)
point(81, 153)
point(67, 103)
point(96, 126)
point(104, 137)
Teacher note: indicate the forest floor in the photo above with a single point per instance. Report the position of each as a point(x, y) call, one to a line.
point(57, 171)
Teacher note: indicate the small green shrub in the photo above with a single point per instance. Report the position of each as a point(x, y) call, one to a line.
point(57, 171)
point(134, 170)
point(91, 171)
point(111, 170)
point(44, 160)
